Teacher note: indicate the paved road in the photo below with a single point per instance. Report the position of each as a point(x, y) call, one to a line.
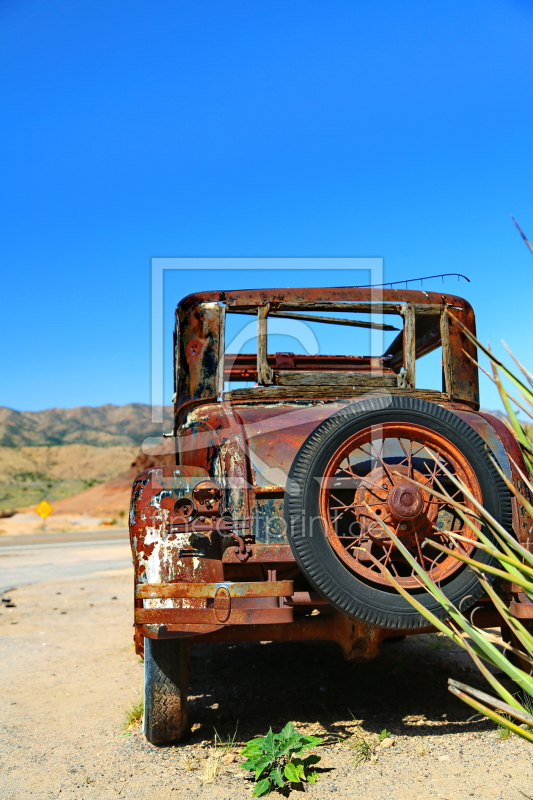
point(32, 559)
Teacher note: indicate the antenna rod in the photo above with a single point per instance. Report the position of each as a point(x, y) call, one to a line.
point(415, 280)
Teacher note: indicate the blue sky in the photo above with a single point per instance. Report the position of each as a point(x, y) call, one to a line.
point(130, 130)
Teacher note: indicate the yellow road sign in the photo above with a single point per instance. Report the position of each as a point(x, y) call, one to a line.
point(44, 509)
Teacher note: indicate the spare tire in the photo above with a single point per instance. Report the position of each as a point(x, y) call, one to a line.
point(366, 456)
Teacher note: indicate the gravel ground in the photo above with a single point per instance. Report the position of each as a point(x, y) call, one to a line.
point(69, 673)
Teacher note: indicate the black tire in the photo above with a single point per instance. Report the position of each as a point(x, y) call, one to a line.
point(316, 558)
point(166, 679)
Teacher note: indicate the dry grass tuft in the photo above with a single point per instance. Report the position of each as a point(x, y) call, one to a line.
point(212, 768)
point(422, 748)
point(188, 764)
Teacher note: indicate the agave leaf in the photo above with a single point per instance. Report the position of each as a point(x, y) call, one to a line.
point(513, 489)
point(501, 573)
point(528, 376)
point(481, 535)
point(516, 626)
point(492, 679)
point(525, 409)
point(515, 425)
point(435, 621)
point(505, 645)
point(494, 524)
point(488, 712)
point(491, 550)
point(521, 473)
point(484, 648)
point(525, 636)
point(522, 715)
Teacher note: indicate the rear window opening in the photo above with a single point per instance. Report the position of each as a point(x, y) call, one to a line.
point(328, 347)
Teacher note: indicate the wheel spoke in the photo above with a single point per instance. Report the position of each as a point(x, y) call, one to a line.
point(372, 467)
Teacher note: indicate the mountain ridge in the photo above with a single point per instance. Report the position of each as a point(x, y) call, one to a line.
point(105, 426)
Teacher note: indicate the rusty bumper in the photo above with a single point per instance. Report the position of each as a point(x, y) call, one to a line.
point(222, 603)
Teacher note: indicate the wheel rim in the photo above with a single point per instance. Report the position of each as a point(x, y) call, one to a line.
point(374, 467)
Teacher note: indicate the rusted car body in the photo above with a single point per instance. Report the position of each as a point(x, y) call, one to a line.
point(215, 555)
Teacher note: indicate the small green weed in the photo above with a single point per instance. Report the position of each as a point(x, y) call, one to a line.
point(527, 705)
point(364, 749)
point(275, 763)
point(134, 714)
point(229, 743)
point(385, 734)
point(502, 731)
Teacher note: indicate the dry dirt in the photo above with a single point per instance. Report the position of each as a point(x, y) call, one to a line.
point(69, 673)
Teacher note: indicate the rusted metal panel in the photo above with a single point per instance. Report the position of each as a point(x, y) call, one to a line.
point(274, 435)
point(521, 610)
point(263, 554)
point(255, 446)
point(161, 556)
point(200, 349)
point(269, 523)
point(462, 355)
point(236, 616)
point(234, 589)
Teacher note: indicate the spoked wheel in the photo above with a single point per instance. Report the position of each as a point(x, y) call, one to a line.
point(371, 473)
point(365, 459)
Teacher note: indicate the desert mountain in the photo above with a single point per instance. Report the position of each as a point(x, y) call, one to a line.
point(103, 426)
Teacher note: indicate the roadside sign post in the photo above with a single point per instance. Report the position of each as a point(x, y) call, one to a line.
point(44, 509)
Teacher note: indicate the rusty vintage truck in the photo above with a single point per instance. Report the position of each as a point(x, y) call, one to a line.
point(261, 528)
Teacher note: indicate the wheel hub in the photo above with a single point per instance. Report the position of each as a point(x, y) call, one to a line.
point(405, 501)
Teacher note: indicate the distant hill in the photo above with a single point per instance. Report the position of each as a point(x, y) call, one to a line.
point(30, 474)
point(104, 426)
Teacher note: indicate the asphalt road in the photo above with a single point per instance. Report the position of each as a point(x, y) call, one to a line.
point(32, 559)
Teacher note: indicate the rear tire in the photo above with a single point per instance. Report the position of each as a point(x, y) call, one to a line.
point(166, 681)
point(357, 592)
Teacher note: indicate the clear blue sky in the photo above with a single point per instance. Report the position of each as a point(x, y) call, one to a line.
point(262, 128)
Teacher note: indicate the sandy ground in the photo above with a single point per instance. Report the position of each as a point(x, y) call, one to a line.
point(69, 673)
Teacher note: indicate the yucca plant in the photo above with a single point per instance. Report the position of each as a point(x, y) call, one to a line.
point(511, 562)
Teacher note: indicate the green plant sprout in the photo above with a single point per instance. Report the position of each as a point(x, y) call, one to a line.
point(275, 760)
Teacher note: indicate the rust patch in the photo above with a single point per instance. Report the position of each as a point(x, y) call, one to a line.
point(222, 604)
